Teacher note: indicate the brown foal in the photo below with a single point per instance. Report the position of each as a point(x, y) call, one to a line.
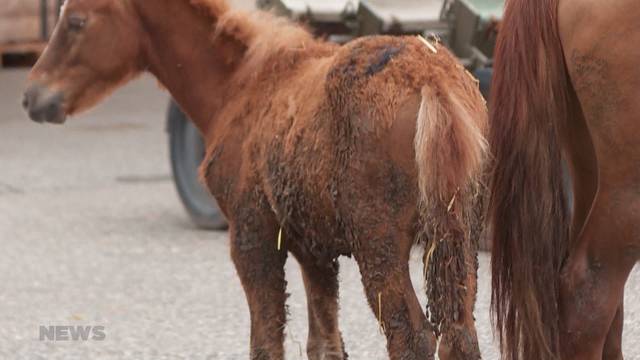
point(312, 149)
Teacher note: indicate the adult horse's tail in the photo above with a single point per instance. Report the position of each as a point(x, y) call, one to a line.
point(451, 150)
point(527, 211)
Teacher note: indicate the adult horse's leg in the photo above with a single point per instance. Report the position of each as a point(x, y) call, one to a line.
point(260, 266)
point(584, 175)
point(605, 80)
point(321, 284)
point(613, 344)
point(383, 258)
point(593, 279)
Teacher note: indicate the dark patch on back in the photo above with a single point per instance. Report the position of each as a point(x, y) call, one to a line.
point(361, 64)
point(346, 72)
point(383, 58)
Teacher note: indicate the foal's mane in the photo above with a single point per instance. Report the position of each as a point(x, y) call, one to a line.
point(261, 33)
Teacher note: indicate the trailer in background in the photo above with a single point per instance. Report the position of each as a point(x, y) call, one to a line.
point(25, 27)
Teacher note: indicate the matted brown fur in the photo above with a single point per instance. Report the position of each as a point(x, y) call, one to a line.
point(356, 150)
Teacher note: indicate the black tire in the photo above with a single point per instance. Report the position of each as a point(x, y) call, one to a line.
point(187, 152)
point(484, 76)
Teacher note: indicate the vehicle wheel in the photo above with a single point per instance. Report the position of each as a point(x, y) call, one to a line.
point(484, 76)
point(187, 152)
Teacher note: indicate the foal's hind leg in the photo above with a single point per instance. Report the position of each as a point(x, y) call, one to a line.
point(260, 266)
point(461, 341)
point(593, 279)
point(321, 284)
point(383, 258)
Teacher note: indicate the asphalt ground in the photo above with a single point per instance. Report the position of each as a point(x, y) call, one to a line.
point(92, 234)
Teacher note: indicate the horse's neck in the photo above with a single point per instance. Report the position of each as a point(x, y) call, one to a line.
point(180, 54)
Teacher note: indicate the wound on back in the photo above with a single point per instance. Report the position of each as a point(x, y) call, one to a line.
point(383, 59)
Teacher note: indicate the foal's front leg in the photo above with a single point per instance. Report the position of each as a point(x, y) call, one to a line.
point(260, 266)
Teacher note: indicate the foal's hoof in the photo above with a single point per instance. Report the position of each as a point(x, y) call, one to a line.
point(423, 347)
point(460, 345)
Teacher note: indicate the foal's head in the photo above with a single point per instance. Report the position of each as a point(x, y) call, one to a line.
point(95, 47)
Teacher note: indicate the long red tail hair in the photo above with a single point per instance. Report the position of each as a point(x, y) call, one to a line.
point(527, 208)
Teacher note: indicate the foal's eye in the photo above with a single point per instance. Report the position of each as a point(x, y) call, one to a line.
point(77, 22)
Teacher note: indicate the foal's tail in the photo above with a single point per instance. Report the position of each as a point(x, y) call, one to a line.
point(450, 144)
point(451, 150)
point(527, 211)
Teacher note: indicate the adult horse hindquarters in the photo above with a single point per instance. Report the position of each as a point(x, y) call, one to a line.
point(564, 80)
point(310, 150)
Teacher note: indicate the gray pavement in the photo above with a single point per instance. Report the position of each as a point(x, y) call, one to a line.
point(92, 233)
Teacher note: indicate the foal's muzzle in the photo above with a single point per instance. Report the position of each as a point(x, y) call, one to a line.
point(44, 105)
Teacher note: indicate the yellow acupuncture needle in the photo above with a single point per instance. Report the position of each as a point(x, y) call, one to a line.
point(280, 239)
point(380, 322)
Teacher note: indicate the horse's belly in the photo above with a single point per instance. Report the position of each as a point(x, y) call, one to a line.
point(318, 232)
point(303, 202)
